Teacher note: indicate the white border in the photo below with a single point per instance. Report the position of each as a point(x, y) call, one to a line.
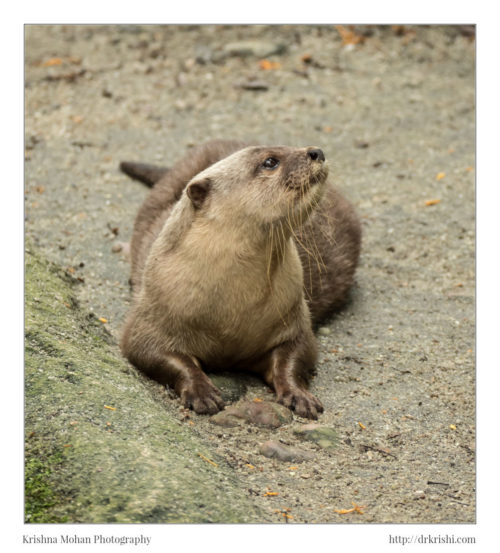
point(223, 538)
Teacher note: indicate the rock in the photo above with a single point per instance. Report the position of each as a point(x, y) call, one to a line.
point(262, 413)
point(257, 48)
point(227, 419)
point(205, 55)
point(276, 450)
point(323, 436)
point(123, 247)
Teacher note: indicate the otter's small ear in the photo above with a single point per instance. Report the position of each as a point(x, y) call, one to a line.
point(197, 192)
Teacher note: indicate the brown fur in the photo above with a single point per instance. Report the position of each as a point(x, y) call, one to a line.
point(232, 263)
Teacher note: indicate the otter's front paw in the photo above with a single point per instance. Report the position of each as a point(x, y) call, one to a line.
point(302, 402)
point(202, 396)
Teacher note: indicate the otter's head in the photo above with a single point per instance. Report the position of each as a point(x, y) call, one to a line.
point(261, 183)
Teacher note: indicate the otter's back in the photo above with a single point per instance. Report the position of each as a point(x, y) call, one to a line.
point(158, 204)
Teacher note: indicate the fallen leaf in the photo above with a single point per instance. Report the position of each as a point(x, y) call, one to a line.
point(398, 29)
point(52, 61)
point(432, 202)
point(349, 36)
point(207, 459)
point(268, 65)
point(355, 509)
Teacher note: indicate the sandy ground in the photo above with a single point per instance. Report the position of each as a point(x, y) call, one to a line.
point(394, 111)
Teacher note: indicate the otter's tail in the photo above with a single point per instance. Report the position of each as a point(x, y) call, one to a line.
point(143, 172)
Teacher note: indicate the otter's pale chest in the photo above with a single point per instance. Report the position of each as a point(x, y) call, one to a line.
point(229, 305)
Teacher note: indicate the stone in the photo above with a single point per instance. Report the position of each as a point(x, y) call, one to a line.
point(282, 452)
point(324, 436)
point(261, 413)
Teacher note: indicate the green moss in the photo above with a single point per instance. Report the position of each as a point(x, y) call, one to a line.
point(40, 497)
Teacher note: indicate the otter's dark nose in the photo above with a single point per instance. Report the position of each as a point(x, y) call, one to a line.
point(316, 154)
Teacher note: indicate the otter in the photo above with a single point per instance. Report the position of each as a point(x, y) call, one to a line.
point(237, 253)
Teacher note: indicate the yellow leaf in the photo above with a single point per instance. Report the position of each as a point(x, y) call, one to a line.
point(207, 459)
point(269, 65)
point(52, 61)
point(349, 36)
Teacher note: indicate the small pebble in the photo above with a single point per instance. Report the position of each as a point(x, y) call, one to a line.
point(257, 48)
point(323, 436)
point(276, 450)
point(252, 84)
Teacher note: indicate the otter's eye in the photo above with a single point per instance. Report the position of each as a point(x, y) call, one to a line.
point(271, 163)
